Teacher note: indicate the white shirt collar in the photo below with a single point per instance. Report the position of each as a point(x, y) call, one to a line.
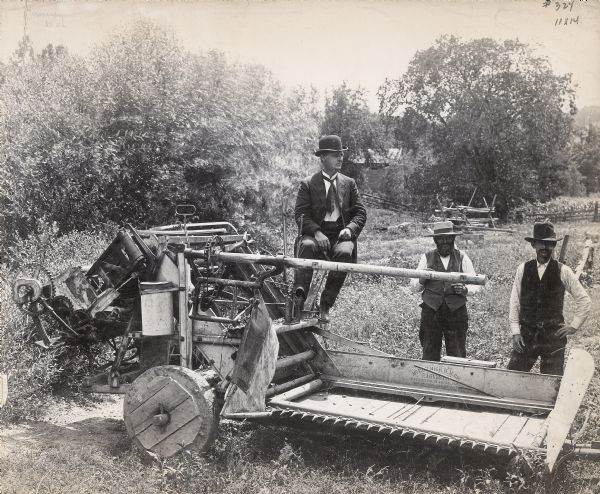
point(333, 177)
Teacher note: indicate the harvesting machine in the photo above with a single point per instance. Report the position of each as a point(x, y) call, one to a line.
point(203, 326)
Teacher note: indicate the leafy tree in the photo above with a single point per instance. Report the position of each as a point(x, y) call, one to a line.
point(493, 114)
point(586, 155)
point(347, 114)
point(141, 125)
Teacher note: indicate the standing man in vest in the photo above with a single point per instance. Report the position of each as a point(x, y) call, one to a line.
point(330, 217)
point(536, 306)
point(444, 309)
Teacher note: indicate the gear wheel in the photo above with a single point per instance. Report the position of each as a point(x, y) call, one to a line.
point(24, 295)
point(63, 306)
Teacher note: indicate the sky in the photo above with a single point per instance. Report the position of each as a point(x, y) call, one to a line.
point(323, 43)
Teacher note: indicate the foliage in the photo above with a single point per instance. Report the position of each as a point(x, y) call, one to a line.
point(493, 114)
point(140, 125)
point(586, 156)
point(347, 114)
point(400, 176)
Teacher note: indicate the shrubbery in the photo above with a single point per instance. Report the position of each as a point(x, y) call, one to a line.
point(141, 125)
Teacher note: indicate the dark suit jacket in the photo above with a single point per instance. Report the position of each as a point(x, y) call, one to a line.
point(311, 209)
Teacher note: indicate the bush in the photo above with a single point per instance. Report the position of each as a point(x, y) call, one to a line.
point(140, 125)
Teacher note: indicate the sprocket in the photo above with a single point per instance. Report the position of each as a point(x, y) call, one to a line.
point(25, 294)
point(63, 306)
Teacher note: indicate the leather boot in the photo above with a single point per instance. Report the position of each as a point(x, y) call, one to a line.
point(299, 299)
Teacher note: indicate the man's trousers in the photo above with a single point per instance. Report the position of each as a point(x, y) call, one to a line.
point(541, 343)
point(443, 323)
point(340, 251)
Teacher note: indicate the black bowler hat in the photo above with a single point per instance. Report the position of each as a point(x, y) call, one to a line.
point(329, 144)
point(543, 232)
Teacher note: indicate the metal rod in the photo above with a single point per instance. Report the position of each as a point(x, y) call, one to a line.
point(211, 224)
point(441, 374)
point(304, 389)
point(183, 325)
point(294, 359)
point(433, 395)
point(200, 317)
point(58, 318)
point(284, 328)
point(226, 282)
point(217, 340)
point(181, 233)
point(246, 415)
point(357, 345)
point(590, 452)
point(318, 265)
point(280, 388)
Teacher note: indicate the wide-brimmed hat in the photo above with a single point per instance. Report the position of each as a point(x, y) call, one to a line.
point(442, 229)
point(328, 144)
point(544, 232)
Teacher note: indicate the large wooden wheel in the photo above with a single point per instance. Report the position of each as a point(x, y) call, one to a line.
point(168, 409)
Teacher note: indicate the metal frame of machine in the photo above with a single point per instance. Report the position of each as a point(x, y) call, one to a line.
point(203, 326)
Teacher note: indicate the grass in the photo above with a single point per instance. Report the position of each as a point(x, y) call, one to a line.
point(267, 459)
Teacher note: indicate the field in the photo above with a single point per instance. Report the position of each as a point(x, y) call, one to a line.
point(79, 445)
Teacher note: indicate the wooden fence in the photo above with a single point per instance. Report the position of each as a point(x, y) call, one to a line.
point(380, 202)
point(519, 215)
point(567, 214)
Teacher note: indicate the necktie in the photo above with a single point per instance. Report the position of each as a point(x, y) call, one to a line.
point(330, 199)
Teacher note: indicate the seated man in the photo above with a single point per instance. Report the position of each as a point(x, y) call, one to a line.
point(536, 306)
point(330, 217)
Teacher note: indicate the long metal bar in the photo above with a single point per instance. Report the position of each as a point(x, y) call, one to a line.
point(284, 328)
point(217, 340)
point(583, 450)
point(181, 233)
point(280, 388)
point(357, 345)
point(227, 282)
point(184, 324)
point(304, 389)
point(293, 262)
point(295, 359)
point(246, 415)
point(434, 395)
point(210, 224)
point(58, 318)
point(223, 320)
point(446, 376)
point(178, 238)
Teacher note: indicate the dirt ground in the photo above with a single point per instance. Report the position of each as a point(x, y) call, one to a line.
point(98, 424)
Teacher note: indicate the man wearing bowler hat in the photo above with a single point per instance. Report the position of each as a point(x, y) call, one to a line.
point(330, 217)
point(444, 306)
point(536, 306)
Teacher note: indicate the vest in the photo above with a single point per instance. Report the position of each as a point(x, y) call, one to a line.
point(541, 300)
point(438, 292)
